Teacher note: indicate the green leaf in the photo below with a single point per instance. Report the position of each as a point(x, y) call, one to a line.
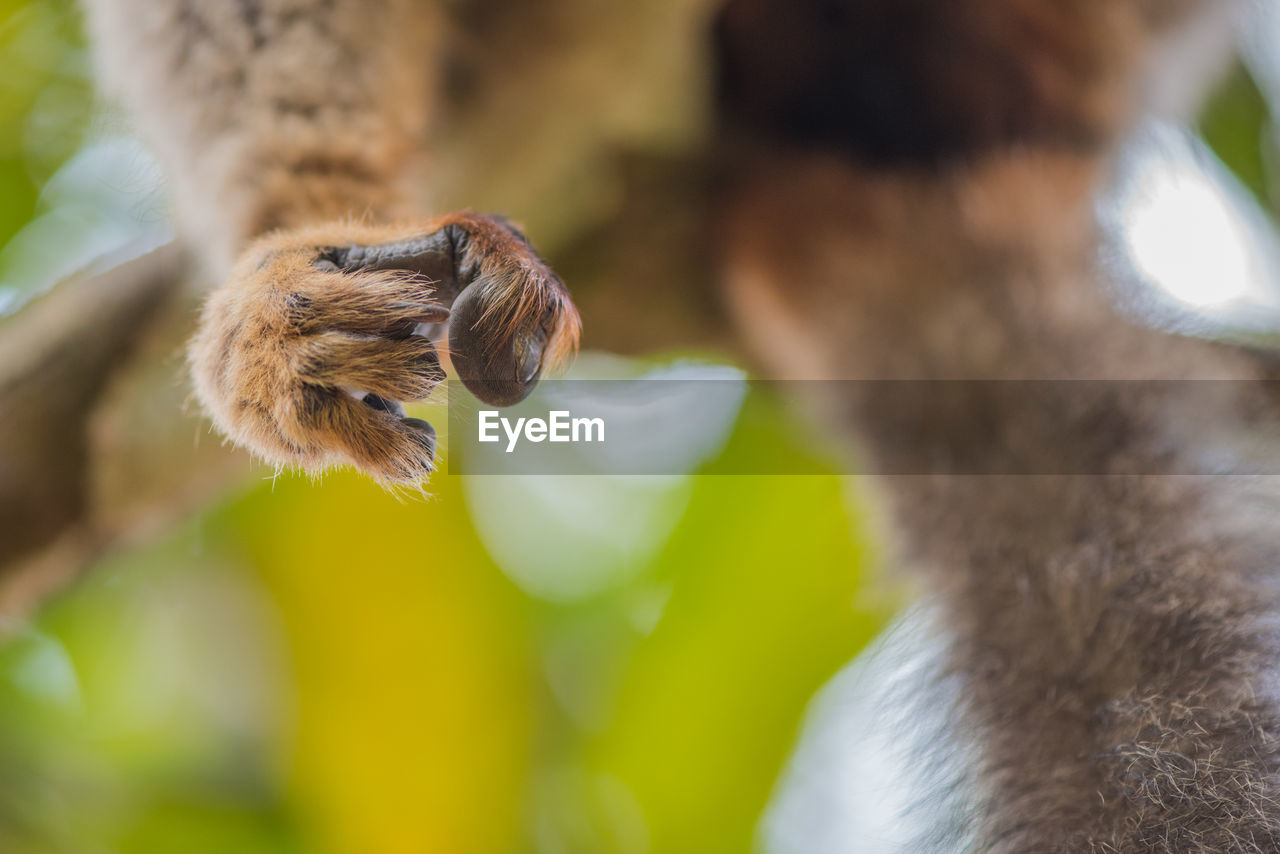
point(1236, 124)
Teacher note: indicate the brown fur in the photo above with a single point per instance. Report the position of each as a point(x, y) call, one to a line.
point(1114, 632)
point(254, 135)
point(284, 347)
point(257, 140)
point(1114, 627)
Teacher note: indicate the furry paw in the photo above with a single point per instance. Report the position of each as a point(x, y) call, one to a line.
point(306, 353)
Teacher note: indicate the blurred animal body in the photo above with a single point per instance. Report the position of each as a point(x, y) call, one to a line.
point(905, 193)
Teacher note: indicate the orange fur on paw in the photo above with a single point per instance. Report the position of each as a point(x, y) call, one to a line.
point(305, 354)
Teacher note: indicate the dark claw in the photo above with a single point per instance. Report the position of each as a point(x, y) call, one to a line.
point(425, 435)
point(499, 365)
point(500, 373)
point(429, 258)
point(528, 354)
point(428, 365)
point(423, 312)
point(381, 404)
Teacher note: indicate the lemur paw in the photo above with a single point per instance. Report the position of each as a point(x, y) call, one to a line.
point(306, 353)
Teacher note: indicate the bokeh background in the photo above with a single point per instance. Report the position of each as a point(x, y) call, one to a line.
point(510, 664)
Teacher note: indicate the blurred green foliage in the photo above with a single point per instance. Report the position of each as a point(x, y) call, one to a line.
point(1237, 124)
point(331, 668)
point(45, 95)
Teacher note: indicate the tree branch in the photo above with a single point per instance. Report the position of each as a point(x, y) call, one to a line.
point(56, 357)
